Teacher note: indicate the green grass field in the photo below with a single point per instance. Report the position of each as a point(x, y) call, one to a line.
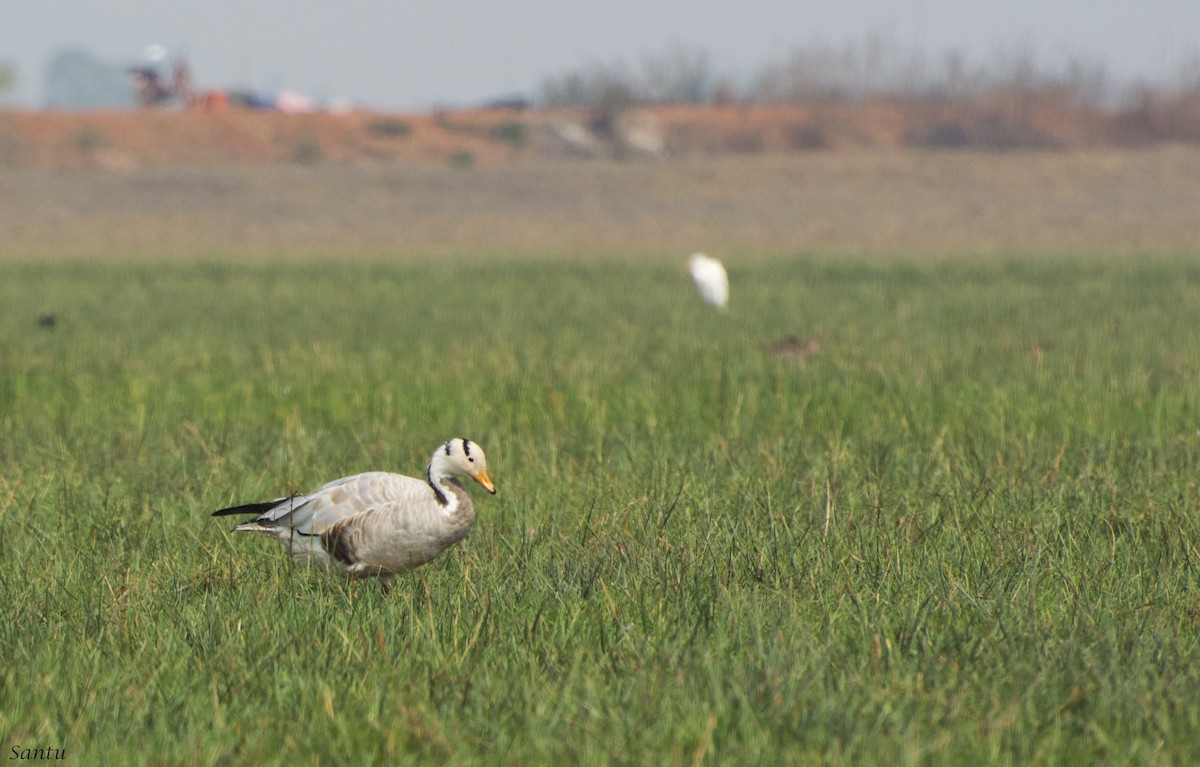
point(964, 532)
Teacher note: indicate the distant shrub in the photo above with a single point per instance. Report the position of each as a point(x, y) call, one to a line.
point(309, 150)
point(982, 131)
point(807, 137)
point(8, 76)
point(463, 159)
point(10, 142)
point(88, 139)
point(946, 135)
point(513, 133)
point(390, 127)
point(680, 75)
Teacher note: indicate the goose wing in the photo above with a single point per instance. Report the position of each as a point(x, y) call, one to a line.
point(313, 513)
point(396, 536)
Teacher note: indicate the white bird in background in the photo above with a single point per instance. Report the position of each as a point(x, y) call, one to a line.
point(710, 278)
point(377, 523)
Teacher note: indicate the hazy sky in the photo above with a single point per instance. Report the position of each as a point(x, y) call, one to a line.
point(398, 54)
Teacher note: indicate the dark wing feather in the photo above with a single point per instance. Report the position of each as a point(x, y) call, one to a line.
point(341, 540)
point(249, 508)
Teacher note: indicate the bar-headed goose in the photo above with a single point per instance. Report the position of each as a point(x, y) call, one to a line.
point(377, 523)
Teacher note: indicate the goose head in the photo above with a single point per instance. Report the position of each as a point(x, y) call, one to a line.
point(461, 458)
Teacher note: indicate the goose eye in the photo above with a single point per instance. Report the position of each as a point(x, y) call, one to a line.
point(469, 458)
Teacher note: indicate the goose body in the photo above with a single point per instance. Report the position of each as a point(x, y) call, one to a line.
point(711, 279)
point(376, 523)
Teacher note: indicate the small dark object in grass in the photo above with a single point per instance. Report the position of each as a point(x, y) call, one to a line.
point(47, 321)
point(792, 349)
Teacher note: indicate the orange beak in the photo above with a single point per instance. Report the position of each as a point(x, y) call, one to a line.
point(483, 479)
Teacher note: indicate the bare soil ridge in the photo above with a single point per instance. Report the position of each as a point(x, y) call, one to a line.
point(125, 140)
point(754, 182)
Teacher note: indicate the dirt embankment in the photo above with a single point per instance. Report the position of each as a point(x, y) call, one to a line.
point(855, 179)
point(160, 138)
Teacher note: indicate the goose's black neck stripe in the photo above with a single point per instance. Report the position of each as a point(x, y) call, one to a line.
point(448, 447)
point(437, 491)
